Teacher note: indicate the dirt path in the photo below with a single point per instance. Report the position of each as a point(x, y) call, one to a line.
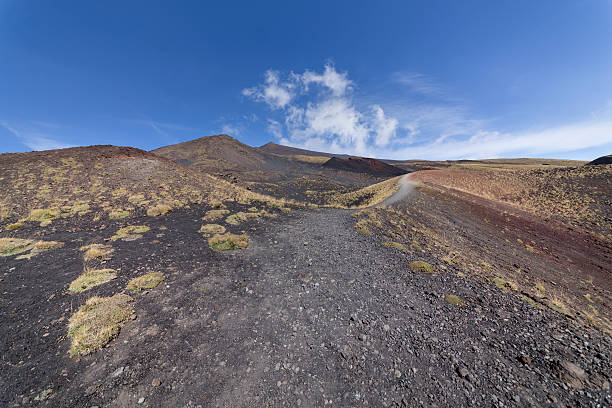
point(407, 186)
point(313, 313)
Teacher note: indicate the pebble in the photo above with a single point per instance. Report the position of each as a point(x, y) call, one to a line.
point(141, 400)
point(156, 382)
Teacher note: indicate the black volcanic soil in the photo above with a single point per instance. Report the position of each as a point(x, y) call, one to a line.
point(312, 313)
point(364, 165)
point(601, 160)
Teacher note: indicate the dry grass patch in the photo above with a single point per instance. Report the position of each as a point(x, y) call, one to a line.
point(215, 214)
point(228, 242)
point(241, 217)
point(118, 214)
point(454, 300)
point(98, 322)
point(422, 267)
point(96, 251)
point(147, 281)
point(504, 284)
point(91, 278)
point(16, 246)
point(130, 233)
point(393, 244)
point(44, 215)
point(559, 305)
point(212, 229)
point(159, 209)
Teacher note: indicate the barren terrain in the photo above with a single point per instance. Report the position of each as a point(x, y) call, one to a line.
point(128, 279)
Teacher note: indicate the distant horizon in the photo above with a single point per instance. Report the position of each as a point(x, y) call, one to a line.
point(314, 151)
point(436, 80)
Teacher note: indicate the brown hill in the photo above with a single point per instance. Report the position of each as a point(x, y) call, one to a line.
point(281, 150)
point(364, 165)
point(223, 153)
point(601, 160)
point(109, 180)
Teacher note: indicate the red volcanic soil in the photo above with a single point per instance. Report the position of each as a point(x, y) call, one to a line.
point(364, 165)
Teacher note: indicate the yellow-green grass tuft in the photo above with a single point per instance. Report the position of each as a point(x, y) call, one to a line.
point(14, 226)
point(215, 214)
point(212, 229)
point(558, 305)
point(91, 278)
point(14, 246)
point(147, 281)
point(130, 233)
point(96, 251)
point(228, 242)
point(421, 266)
point(44, 215)
point(98, 322)
point(504, 284)
point(396, 245)
point(118, 214)
point(159, 209)
point(454, 300)
point(241, 217)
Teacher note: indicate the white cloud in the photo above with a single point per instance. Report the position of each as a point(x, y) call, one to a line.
point(337, 82)
point(230, 130)
point(385, 127)
point(438, 127)
point(419, 83)
point(273, 92)
point(35, 140)
point(275, 128)
point(44, 143)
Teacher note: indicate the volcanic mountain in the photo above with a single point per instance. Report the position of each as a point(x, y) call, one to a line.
point(223, 153)
point(104, 179)
point(364, 165)
point(601, 160)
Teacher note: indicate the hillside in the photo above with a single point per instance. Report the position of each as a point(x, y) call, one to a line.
point(108, 181)
point(364, 165)
point(223, 153)
point(601, 160)
point(130, 279)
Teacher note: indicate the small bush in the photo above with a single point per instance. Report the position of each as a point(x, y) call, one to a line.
point(228, 242)
point(214, 215)
point(96, 251)
point(42, 214)
point(14, 246)
point(240, 217)
point(14, 226)
point(212, 229)
point(130, 233)
point(422, 267)
point(118, 214)
point(394, 245)
point(159, 209)
point(91, 278)
point(98, 322)
point(558, 305)
point(454, 300)
point(148, 281)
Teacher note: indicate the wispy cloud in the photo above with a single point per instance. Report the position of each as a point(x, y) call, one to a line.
point(318, 110)
point(33, 138)
point(419, 83)
point(231, 130)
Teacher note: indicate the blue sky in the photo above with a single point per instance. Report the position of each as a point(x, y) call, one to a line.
point(395, 79)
